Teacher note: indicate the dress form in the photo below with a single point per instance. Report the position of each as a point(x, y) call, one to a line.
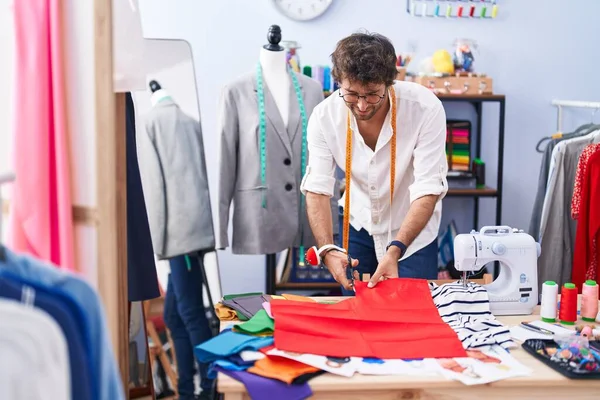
point(158, 93)
point(275, 73)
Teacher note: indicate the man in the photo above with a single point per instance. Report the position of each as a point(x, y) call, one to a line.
point(388, 236)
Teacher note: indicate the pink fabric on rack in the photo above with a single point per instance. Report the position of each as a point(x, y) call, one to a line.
point(41, 223)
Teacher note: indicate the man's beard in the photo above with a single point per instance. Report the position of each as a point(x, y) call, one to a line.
point(371, 111)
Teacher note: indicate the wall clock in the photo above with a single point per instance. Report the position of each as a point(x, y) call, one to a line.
point(302, 10)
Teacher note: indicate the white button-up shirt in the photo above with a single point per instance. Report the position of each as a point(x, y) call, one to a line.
point(421, 164)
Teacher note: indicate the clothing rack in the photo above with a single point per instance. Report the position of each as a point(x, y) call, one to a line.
point(573, 104)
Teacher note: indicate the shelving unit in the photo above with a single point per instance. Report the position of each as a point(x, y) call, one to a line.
point(489, 192)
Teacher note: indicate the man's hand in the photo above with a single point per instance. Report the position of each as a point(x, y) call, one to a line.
point(387, 268)
point(337, 262)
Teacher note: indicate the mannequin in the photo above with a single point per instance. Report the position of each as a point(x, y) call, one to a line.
point(260, 162)
point(171, 154)
point(275, 72)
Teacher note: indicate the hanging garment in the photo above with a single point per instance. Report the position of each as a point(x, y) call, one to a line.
point(397, 319)
point(467, 311)
point(101, 357)
point(580, 176)
point(558, 229)
point(278, 225)
point(30, 334)
point(261, 388)
point(173, 170)
point(81, 378)
point(586, 260)
point(40, 219)
point(142, 281)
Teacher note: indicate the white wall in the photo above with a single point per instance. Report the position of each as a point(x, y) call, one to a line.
point(79, 34)
point(558, 61)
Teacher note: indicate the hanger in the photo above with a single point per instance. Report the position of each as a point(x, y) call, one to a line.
point(582, 130)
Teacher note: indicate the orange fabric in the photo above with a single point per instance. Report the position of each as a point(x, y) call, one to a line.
point(281, 368)
point(295, 297)
point(396, 319)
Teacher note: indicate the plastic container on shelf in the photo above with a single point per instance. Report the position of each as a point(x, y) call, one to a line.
point(292, 58)
point(463, 56)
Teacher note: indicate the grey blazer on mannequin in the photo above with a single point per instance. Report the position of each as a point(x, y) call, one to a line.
point(173, 170)
point(258, 230)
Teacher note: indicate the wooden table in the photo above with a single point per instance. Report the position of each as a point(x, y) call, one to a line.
point(544, 383)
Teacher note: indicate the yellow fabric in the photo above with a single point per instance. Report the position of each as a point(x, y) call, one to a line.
point(262, 334)
point(275, 296)
point(225, 313)
point(296, 297)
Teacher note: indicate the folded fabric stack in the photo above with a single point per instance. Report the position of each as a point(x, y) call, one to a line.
point(458, 148)
point(240, 351)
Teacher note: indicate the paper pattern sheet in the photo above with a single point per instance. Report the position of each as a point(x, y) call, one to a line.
point(482, 366)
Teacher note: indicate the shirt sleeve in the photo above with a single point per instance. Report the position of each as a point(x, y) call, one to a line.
point(429, 157)
point(320, 172)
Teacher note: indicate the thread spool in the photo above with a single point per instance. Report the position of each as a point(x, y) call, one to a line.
point(589, 300)
point(568, 304)
point(549, 301)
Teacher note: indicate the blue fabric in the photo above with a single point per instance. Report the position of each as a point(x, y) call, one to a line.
point(81, 378)
point(142, 281)
point(185, 317)
point(102, 359)
point(423, 264)
point(228, 343)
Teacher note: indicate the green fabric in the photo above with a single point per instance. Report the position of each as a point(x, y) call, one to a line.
point(259, 323)
point(233, 296)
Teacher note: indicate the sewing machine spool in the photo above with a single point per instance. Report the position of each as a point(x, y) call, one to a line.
point(515, 291)
point(549, 304)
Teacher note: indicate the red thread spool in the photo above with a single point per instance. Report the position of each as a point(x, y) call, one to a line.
point(568, 304)
point(460, 10)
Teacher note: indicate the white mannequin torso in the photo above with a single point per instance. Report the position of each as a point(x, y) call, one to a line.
point(277, 79)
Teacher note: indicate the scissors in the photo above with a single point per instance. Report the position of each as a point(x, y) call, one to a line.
point(350, 271)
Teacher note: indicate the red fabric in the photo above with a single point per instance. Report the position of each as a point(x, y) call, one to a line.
point(579, 177)
point(396, 319)
point(586, 257)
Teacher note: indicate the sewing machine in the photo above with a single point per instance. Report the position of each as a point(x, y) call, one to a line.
point(515, 291)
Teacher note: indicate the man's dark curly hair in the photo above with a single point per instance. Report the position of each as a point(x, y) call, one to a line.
point(366, 58)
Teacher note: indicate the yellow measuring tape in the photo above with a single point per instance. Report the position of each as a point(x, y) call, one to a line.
point(346, 231)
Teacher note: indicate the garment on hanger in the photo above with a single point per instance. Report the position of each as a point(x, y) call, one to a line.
point(586, 261)
point(398, 319)
point(174, 178)
point(56, 306)
point(86, 307)
point(580, 177)
point(557, 228)
point(41, 221)
point(267, 217)
point(35, 359)
point(467, 311)
point(142, 281)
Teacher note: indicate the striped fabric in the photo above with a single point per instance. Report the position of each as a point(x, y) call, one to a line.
point(467, 311)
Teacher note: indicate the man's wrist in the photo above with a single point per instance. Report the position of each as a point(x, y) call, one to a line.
point(396, 249)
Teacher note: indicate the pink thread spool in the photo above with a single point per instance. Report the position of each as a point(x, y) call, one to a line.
point(589, 301)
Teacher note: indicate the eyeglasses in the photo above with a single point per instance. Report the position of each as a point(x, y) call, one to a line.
point(369, 98)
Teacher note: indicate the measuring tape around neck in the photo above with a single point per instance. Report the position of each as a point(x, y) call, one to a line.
point(346, 231)
point(263, 144)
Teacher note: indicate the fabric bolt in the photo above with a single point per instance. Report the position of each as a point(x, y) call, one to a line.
point(228, 343)
point(32, 327)
point(580, 177)
point(396, 319)
point(175, 182)
point(142, 280)
point(587, 250)
point(81, 378)
point(467, 311)
point(558, 234)
point(40, 219)
point(261, 388)
point(101, 356)
point(225, 313)
point(282, 223)
point(280, 368)
point(421, 163)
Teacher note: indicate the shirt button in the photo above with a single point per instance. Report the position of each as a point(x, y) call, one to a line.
point(288, 186)
point(372, 187)
point(287, 161)
point(372, 162)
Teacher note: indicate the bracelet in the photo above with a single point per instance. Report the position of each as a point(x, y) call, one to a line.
point(313, 254)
